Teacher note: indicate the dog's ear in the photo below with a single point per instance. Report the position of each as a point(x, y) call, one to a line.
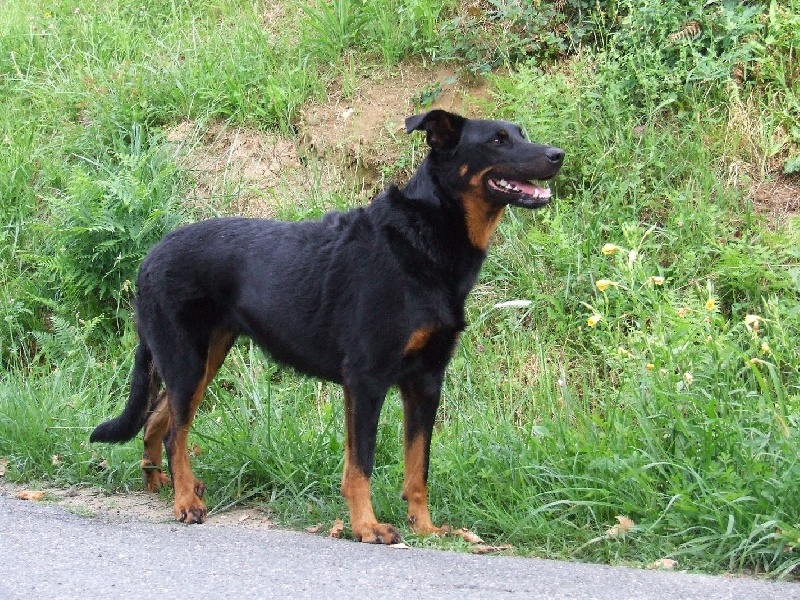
point(442, 128)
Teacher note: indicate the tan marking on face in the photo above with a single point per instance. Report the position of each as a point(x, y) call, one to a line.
point(481, 216)
point(463, 170)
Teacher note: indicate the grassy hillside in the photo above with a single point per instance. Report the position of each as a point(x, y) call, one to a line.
point(655, 373)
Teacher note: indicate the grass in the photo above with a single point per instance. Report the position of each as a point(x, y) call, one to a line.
point(654, 374)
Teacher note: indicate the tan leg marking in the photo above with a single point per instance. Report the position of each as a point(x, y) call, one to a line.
point(415, 490)
point(189, 506)
point(356, 491)
point(154, 431)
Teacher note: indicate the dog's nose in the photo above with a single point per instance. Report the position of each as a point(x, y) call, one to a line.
point(555, 155)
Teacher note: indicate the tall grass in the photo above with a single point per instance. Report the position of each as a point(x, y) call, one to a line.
point(655, 372)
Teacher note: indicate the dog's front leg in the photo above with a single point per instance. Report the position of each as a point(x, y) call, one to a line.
point(420, 401)
point(362, 408)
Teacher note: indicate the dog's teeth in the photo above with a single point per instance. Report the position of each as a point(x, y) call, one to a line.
point(506, 185)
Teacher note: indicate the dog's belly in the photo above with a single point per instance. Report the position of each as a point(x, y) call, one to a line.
point(290, 335)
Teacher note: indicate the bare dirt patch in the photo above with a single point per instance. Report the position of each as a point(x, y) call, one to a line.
point(240, 170)
point(361, 124)
point(133, 506)
point(341, 146)
point(236, 169)
point(778, 200)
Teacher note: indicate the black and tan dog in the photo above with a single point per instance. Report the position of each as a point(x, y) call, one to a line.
point(369, 298)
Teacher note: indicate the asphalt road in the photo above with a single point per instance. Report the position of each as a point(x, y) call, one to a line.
point(47, 552)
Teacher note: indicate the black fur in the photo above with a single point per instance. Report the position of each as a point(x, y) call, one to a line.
point(339, 298)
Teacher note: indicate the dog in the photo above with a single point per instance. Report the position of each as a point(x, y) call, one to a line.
point(369, 298)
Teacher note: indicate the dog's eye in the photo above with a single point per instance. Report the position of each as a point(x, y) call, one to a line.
point(501, 137)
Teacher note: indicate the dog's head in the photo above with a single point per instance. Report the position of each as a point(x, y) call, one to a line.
point(490, 158)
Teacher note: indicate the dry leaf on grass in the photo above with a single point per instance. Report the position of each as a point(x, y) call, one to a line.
point(398, 546)
point(315, 529)
point(666, 564)
point(29, 495)
point(467, 535)
point(56, 460)
point(337, 529)
point(100, 463)
point(623, 526)
point(196, 450)
point(483, 549)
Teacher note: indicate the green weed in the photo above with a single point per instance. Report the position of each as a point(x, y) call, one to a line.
point(108, 218)
point(390, 29)
point(775, 79)
point(334, 26)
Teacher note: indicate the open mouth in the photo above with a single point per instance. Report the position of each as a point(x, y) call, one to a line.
point(523, 193)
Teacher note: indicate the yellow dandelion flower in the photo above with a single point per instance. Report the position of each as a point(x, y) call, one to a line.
point(711, 304)
point(604, 284)
point(765, 348)
point(593, 320)
point(609, 249)
point(649, 366)
point(657, 280)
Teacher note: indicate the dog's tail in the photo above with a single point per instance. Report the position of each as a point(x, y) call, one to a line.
point(145, 384)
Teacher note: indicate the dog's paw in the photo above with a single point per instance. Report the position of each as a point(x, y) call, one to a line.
point(192, 511)
point(154, 477)
point(428, 528)
point(377, 533)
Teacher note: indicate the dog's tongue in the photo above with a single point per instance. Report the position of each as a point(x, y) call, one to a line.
point(532, 190)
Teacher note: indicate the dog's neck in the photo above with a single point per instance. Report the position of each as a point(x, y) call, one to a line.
point(418, 187)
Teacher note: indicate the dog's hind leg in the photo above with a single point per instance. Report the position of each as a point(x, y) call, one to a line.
point(158, 423)
point(420, 400)
point(184, 396)
point(362, 409)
